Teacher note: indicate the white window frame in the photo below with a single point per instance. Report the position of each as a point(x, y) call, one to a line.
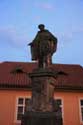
point(80, 115)
point(61, 107)
point(16, 107)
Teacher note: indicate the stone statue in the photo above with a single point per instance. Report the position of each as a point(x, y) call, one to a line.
point(43, 46)
point(41, 109)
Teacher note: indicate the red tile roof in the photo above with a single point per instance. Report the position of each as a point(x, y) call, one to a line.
point(14, 75)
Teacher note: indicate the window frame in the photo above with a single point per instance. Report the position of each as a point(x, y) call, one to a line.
point(80, 114)
point(62, 106)
point(18, 105)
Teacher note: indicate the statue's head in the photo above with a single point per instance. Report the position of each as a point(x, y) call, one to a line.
point(41, 27)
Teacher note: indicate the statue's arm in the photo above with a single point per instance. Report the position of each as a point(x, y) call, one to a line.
point(36, 38)
point(52, 37)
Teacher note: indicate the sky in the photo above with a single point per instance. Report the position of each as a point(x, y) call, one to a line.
point(19, 20)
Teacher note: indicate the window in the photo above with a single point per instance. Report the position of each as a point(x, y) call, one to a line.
point(59, 102)
point(21, 105)
point(81, 109)
point(23, 101)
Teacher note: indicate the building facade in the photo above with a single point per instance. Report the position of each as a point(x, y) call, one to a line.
point(15, 91)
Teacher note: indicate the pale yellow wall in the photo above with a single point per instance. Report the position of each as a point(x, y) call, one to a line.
point(8, 106)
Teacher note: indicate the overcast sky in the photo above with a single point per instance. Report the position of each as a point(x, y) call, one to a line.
point(18, 26)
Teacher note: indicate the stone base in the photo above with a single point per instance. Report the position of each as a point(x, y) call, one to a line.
point(41, 118)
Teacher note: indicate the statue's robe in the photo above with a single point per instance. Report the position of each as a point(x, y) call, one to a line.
point(43, 44)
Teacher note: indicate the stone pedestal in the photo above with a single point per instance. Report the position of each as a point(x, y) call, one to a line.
point(40, 110)
point(43, 84)
point(41, 118)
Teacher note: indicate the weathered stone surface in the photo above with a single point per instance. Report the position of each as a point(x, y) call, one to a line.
point(42, 90)
point(41, 118)
point(43, 46)
point(41, 110)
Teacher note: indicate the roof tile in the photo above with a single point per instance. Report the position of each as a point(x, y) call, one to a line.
point(68, 75)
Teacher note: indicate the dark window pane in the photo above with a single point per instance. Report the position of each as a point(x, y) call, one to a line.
point(19, 116)
point(27, 101)
point(20, 109)
point(61, 110)
point(82, 113)
point(58, 101)
point(81, 102)
point(20, 101)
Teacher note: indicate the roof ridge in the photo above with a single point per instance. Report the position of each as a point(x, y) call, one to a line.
point(18, 62)
point(67, 64)
point(32, 62)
